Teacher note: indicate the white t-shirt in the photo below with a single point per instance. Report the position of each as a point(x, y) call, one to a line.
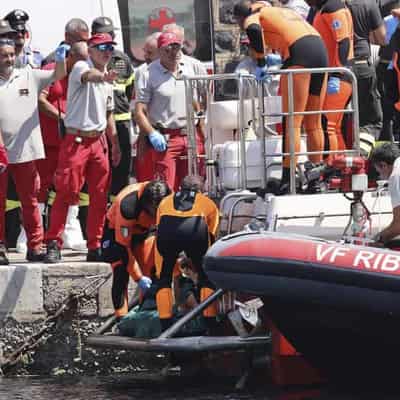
point(87, 103)
point(19, 117)
point(394, 184)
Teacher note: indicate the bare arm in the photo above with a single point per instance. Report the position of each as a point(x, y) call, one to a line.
point(46, 107)
point(393, 229)
point(378, 36)
point(142, 119)
point(1, 139)
point(94, 75)
point(111, 132)
point(61, 70)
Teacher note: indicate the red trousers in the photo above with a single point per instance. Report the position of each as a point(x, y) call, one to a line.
point(47, 168)
point(168, 164)
point(27, 183)
point(144, 164)
point(77, 163)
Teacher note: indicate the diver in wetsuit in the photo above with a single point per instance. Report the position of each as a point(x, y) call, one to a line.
point(187, 221)
point(284, 31)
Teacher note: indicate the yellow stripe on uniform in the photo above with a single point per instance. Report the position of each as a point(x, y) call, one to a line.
point(12, 204)
point(83, 199)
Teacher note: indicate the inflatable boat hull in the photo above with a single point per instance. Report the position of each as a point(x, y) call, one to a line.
point(338, 304)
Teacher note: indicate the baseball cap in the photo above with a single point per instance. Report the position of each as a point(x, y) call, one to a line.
point(5, 27)
point(100, 38)
point(103, 25)
point(168, 38)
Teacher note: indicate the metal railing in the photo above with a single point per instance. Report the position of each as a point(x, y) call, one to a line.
point(255, 94)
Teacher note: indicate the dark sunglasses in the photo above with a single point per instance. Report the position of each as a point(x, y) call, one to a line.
point(7, 42)
point(105, 47)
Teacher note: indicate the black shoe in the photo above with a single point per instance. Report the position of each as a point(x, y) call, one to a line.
point(35, 255)
point(3, 255)
point(94, 255)
point(53, 254)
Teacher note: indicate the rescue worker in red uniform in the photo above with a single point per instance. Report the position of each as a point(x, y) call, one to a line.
point(3, 155)
point(129, 239)
point(300, 46)
point(187, 221)
point(84, 150)
point(52, 106)
point(335, 24)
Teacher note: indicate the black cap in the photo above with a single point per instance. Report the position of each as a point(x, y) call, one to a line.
point(102, 25)
point(5, 28)
point(17, 19)
point(242, 9)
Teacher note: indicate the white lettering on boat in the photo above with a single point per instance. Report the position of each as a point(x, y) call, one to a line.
point(364, 259)
point(335, 252)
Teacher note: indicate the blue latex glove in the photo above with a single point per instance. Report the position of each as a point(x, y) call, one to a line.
point(158, 141)
point(333, 85)
point(261, 73)
point(273, 59)
point(61, 52)
point(144, 283)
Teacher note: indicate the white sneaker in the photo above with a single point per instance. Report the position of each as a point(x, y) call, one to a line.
point(72, 235)
point(21, 242)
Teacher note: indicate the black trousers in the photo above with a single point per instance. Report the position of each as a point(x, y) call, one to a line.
point(391, 117)
point(369, 106)
point(121, 173)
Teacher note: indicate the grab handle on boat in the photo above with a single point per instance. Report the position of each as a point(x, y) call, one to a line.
point(171, 331)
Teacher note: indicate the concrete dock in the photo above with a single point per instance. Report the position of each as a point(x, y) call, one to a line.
point(29, 291)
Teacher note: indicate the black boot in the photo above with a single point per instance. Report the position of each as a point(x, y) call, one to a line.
point(35, 255)
point(165, 323)
point(3, 254)
point(285, 182)
point(94, 255)
point(53, 254)
point(212, 325)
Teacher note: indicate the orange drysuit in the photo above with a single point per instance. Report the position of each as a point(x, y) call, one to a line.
point(300, 45)
point(335, 24)
point(128, 244)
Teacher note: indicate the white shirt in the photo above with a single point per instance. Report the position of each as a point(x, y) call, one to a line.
point(87, 103)
point(19, 116)
point(394, 184)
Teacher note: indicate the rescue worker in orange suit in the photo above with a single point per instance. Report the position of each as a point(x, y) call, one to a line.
point(300, 46)
point(187, 221)
point(335, 24)
point(129, 238)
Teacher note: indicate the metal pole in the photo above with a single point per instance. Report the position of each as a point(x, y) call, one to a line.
point(242, 143)
point(261, 132)
point(191, 134)
point(356, 120)
point(292, 144)
point(171, 331)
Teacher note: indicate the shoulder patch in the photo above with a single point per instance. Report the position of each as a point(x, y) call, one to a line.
point(336, 24)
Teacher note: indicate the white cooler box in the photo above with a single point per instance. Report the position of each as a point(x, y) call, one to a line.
point(229, 161)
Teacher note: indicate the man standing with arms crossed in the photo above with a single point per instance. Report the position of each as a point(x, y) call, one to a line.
point(84, 150)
